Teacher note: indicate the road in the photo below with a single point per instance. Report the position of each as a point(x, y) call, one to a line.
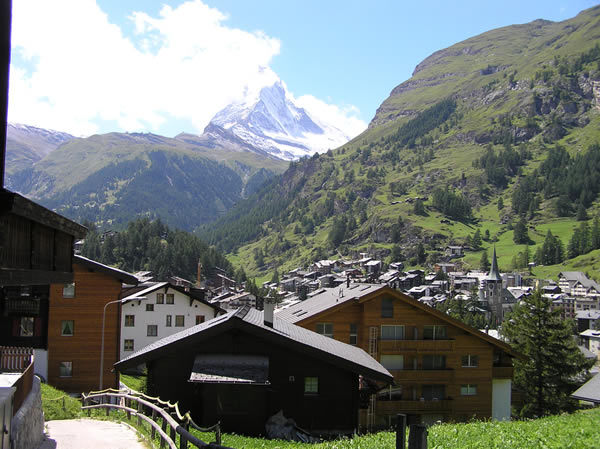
point(90, 434)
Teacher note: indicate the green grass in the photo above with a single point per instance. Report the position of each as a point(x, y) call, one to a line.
point(59, 405)
point(137, 383)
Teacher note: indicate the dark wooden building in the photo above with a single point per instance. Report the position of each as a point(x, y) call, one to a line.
point(240, 370)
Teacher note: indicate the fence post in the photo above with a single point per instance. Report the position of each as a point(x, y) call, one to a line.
point(183, 441)
point(400, 431)
point(153, 430)
point(218, 433)
point(417, 437)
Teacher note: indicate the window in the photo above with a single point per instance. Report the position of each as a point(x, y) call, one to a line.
point(65, 369)
point(168, 323)
point(433, 392)
point(325, 329)
point(392, 332)
point(390, 394)
point(170, 298)
point(199, 319)
point(470, 361)
point(128, 345)
point(26, 326)
point(149, 307)
point(353, 334)
point(432, 361)
point(129, 320)
point(468, 390)
point(152, 330)
point(392, 361)
point(69, 290)
point(387, 308)
point(67, 328)
point(434, 332)
point(160, 298)
point(311, 385)
point(179, 320)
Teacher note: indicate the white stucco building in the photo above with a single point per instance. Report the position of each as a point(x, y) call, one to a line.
point(158, 311)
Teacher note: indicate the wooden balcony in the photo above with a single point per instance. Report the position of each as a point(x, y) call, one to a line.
point(393, 346)
point(391, 407)
point(502, 372)
point(423, 375)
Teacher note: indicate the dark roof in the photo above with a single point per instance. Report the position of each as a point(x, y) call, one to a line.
point(494, 274)
point(589, 391)
point(283, 333)
point(331, 298)
point(120, 275)
point(231, 368)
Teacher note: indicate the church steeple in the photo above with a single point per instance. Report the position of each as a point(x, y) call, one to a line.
point(494, 274)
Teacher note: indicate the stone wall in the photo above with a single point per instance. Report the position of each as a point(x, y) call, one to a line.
point(28, 424)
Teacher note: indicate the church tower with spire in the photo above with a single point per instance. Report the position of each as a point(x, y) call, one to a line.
point(493, 290)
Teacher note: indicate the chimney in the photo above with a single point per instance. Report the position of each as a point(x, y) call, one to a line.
point(269, 307)
point(348, 281)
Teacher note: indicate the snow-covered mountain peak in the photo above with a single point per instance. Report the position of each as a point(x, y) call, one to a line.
point(270, 121)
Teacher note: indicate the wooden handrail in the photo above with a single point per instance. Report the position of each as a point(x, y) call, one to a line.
point(157, 412)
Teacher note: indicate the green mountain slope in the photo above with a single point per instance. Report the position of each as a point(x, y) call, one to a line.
point(472, 126)
point(113, 178)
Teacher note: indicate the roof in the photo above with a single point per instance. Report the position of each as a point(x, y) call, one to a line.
point(330, 299)
point(141, 294)
point(590, 333)
point(120, 275)
point(494, 274)
point(283, 332)
point(587, 314)
point(231, 368)
point(589, 391)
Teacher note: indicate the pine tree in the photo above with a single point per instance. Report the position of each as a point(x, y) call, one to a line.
point(476, 240)
point(551, 366)
point(595, 234)
point(520, 235)
point(484, 263)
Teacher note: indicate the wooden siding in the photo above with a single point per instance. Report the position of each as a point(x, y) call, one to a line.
point(413, 379)
point(92, 291)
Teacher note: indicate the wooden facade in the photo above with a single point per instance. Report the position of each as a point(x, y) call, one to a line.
point(443, 369)
point(75, 328)
point(294, 358)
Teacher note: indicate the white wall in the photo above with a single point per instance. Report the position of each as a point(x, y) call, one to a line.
point(143, 318)
point(501, 390)
point(40, 363)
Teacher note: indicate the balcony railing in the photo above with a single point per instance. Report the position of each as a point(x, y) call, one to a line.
point(423, 375)
point(416, 345)
point(407, 406)
point(18, 360)
point(502, 372)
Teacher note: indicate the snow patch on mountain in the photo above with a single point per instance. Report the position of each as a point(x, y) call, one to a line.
point(270, 120)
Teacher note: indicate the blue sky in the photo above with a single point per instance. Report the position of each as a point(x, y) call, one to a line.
point(127, 65)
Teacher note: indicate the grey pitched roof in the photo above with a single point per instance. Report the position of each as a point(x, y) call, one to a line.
point(351, 357)
point(589, 391)
point(327, 299)
point(587, 314)
point(141, 295)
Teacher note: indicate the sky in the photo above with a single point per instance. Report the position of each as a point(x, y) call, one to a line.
point(87, 67)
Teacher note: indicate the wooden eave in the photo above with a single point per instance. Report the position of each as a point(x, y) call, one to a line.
point(13, 203)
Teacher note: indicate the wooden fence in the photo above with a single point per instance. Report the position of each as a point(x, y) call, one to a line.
point(18, 360)
point(153, 410)
point(14, 359)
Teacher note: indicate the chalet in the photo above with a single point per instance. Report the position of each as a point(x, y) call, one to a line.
point(245, 366)
point(576, 283)
point(443, 369)
point(237, 300)
point(444, 267)
point(591, 340)
point(454, 251)
point(76, 311)
point(566, 305)
point(373, 266)
point(160, 310)
point(587, 319)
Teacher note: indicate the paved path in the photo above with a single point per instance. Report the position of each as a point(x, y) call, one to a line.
point(90, 434)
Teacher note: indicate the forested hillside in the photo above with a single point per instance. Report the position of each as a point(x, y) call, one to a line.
point(152, 246)
point(497, 128)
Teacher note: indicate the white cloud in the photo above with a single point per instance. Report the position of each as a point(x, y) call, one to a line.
point(81, 70)
point(344, 118)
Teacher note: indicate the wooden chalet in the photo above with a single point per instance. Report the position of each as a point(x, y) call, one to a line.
point(443, 369)
point(75, 327)
point(240, 369)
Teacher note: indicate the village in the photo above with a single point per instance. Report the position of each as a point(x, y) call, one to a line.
point(402, 349)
